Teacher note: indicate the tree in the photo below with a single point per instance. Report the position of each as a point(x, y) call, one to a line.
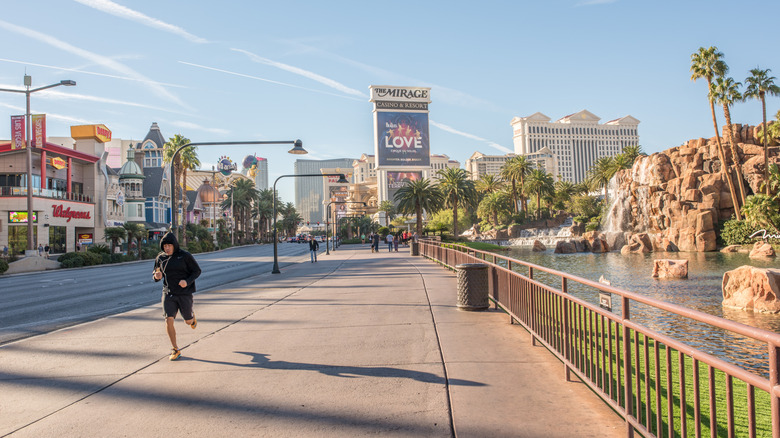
point(115, 234)
point(773, 183)
point(725, 91)
point(170, 148)
point(418, 196)
point(564, 190)
point(264, 211)
point(708, 63)
point(600, 173)
point(134, 232)
point(245, 195)
point(761, 211)
point(515, 170)
point(633, 152)
point(388, 208)
point(457, 188)
point(759, 84)
point(495, 204)
point(189, 161)
point(541, 183)
point(489, 184)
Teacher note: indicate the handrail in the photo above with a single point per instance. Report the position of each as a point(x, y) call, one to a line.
point(613, 355)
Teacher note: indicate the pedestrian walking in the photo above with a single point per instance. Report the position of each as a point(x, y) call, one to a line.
point(395, 243)
point(375, 243)
point(40, 250)
point(78, 247)
point(178, 270)
point(5, 251)
point(314, 246)
point(46, 250)
point(389, 239)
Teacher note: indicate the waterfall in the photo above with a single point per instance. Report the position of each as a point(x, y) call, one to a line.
point(548, 236)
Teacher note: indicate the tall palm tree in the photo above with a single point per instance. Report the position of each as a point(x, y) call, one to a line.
point(564, 190)
point(115, 234)
point(169, 148)
point(708, 63)
point(494, 204)
point(418, 196)
point(600, 173)
point(489, 184)
point(632, 152)
point(515, 170)
point(134, 232)
point(759, 84)
point(725, 91)
point(541, 183)
point(189, 161)
point(388, 208)
point(457, 188)
point(264, 211)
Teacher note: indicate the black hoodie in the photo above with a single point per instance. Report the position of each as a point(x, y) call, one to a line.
point(180, 265)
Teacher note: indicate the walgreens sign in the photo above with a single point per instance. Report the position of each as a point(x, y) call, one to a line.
point(61, 211)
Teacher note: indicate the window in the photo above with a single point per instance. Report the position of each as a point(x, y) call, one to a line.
point(57, 238)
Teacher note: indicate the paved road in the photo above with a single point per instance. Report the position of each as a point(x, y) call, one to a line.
point(40, 302)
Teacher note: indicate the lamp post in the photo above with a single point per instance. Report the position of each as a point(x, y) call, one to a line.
point(342, 180)
point(296, 150)
point(28, 146)
point(327, 221)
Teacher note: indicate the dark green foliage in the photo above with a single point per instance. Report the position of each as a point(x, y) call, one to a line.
point(71, 260)
point(3, 266)
point(99, 248)
point(116, 258)
point(736, 232)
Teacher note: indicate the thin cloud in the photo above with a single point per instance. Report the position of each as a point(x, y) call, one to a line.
point(93, 57)
point(265, 80)
point(68, 119)
point(189, 125)
point(120, 11)
point(595, 2)
point(452, 130)
point(65, 95)
point(305, 73)
point(77, 70)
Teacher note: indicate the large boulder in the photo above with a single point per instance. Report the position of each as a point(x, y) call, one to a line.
point(751, 288)
point(667, 268)
point(762, 250)
point(538, 246)
point(565, 248)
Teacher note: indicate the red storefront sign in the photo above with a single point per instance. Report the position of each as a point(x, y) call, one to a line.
point(61, 211)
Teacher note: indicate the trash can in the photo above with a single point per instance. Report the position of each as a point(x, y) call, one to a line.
point(472, 286)
point(414, 248)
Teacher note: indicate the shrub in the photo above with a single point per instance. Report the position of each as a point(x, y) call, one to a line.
point(580, 219)
point(117, 258)
point(99, 248)
point(71, 260)
point(384, 231)
point(105, 259)
point(90, 258)
point(3, 266)
point(194, 247)
point(736, 232)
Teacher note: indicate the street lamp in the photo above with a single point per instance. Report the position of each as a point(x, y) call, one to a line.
point(327, 221)
point(342, 180)
point(28, 146)
point(296, 150)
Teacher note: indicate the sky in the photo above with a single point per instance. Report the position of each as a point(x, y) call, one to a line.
point(281, 71)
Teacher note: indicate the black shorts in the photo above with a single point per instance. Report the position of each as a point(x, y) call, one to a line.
point(173, 304)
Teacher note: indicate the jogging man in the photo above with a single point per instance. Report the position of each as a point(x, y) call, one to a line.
point(178, 270)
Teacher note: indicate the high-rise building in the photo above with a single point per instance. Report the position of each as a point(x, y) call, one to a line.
point(261, 178)
point(441, 162)
point(576, 141)
point(480, 164)
point(309, 191)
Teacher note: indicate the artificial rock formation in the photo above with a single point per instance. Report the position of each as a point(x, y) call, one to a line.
point(679, 196)
point(750, 288)
point(538, 246)
point(762, 250)
point(666, 268)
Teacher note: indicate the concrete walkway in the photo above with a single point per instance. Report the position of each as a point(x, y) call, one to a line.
point(357, 344)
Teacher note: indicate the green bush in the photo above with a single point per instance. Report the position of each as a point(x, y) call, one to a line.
point(71, 260)
point(99, 248)
point(580, 219)
point(117, 258)
point(91, 259)
point(383, 231)
point(194, 247)
point(105, 259)
point(736, 232)
point(3, 266)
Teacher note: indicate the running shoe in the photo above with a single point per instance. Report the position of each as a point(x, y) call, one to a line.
point(175, 354)
point(194, 323)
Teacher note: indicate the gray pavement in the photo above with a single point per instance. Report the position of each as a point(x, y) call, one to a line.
point(357, 344)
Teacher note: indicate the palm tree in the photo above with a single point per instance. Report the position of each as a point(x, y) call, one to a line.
point(564, 190)
point(494, 204)
point(541, 183)
point(115, 234)
point(388, 208)
point(632, 152)
point(708, 63)
point(773, 183)
point(600, 173)
point(761, 212)
point(134, 232)
point(170, 148)
point(418, 196)
point(515, 170)
point(457, 188)
point(189, 161)
point(725, 91)
point(244, 198)
point(489, 184)
point(264, 211)
point(759, 84)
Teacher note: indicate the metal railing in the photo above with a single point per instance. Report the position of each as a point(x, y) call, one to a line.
point(44, 193)
point(659, 384)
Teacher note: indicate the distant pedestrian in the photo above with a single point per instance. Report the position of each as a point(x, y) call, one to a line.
point(78, 247)
point(40, 250)
point(178, 270)
point(389, 239)
point(362, 238)
point(46, 250)
point(375, 243)
point(5, 251)
point(313, 248)
point(395, 243)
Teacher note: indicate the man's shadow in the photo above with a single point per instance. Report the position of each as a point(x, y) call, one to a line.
point(260, 360)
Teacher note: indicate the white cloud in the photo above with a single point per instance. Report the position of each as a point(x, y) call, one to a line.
point(120, 11)
point(452, 130)
point(93, 57)
point(305, 73)
point(595, 2)
point(68, 119)
point(189, 125)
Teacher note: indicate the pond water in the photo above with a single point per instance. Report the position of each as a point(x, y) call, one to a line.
point(702, 291)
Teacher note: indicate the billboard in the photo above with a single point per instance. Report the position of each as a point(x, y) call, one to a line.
point(396, 180)
point(402, 139)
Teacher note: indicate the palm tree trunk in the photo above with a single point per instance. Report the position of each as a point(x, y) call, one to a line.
point(455, 219)
point(514, 194)
point(766, 153)
point(723, 167)
point(418, 210)
point(735, 155)
point(184, 208)
point(522, 195)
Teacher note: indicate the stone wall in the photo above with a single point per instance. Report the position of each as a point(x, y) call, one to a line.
point(678, 196)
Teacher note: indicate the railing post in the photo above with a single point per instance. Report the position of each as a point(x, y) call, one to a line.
point(774, 380)
point(626, 314)
point(566, 328)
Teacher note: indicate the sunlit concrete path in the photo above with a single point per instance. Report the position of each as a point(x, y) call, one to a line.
point(357, 344)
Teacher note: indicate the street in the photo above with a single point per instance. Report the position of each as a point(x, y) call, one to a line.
point(35, 303)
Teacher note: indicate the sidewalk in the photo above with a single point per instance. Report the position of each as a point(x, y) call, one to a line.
point(357, 344)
